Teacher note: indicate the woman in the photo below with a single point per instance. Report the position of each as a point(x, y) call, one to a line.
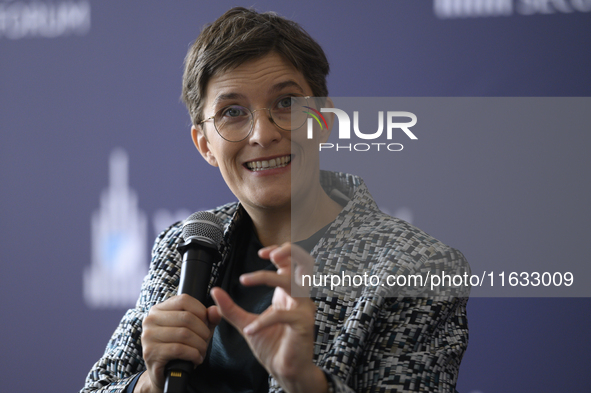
point(242, 75)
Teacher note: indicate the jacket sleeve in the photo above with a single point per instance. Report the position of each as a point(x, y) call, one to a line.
point(123, 359)
point(402, 344)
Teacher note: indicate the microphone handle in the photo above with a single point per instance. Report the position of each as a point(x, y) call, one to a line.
point(196, 272)
point(195, 275)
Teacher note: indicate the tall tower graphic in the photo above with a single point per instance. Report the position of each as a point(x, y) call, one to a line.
point(119, 242)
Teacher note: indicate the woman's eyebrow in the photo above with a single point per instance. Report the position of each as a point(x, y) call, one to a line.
point(276, 88)
point(282, 85)
point(226, 97)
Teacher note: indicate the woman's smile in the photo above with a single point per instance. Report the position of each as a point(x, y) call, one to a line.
point(264, 164)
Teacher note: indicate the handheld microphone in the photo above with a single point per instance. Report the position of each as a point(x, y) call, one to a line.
point(202, 233)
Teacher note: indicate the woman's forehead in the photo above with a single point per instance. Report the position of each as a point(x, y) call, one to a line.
point(265, 76)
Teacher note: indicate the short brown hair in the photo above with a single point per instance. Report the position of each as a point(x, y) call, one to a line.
point(243, 34)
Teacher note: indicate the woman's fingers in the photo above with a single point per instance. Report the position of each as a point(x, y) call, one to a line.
point(302, 261)
point(292, 262)
point(182, 312)
point(265, 251)
point(176, 343)
point(178, 335)
point(303, 317)
point(183, 302)
point(281, 256)
point(180, 319)
point(287, 254)
point(233, 313)
point(178, 328)
point(266, 277)
point(214, 316)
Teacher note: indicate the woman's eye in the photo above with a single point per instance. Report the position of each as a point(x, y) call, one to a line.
point(284, 102)
point(234, 111)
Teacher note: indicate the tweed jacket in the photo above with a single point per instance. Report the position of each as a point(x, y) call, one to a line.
point(371, 342)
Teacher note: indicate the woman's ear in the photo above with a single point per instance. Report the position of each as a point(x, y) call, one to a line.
point(202, 144)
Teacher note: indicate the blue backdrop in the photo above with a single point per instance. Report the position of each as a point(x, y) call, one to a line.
point(96, 158)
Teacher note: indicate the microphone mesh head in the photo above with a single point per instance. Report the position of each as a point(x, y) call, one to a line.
point(204, 226)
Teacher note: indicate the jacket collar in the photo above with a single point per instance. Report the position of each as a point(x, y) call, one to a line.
point(347, 189)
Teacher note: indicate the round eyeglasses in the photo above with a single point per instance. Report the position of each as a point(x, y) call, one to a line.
point(234, 123)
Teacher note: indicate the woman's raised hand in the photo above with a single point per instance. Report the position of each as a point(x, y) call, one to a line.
point(282, 337)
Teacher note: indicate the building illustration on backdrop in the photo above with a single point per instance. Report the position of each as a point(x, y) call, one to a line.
point(119, 234)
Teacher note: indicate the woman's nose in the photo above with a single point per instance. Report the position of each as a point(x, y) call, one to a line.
point(264, 130)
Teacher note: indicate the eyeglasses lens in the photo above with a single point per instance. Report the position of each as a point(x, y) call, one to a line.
point(235, 122)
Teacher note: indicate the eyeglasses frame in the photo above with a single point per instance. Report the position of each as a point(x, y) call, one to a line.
point(252, 112)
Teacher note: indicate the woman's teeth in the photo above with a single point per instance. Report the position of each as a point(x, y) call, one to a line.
point(270, 164)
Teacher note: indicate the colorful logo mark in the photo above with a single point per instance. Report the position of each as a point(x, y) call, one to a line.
point(315, 115)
